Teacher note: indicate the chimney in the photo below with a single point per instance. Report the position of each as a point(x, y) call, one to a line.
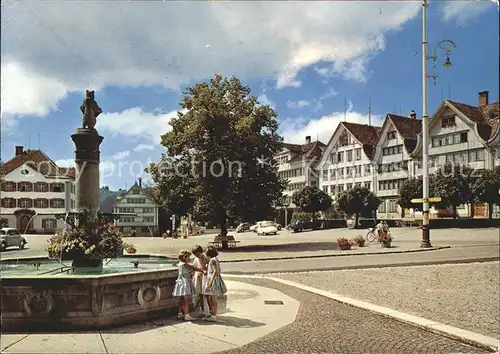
point(483, 98)
point(140, 182)
point(308, 139)
point(413, 114)
point(19, 150)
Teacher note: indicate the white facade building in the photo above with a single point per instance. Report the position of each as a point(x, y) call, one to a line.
point(458, 133)
point(347, 160)
point(33, 190)
point(297, 163)
point(136, 201)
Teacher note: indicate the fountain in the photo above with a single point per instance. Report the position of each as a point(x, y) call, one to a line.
point(86, 282)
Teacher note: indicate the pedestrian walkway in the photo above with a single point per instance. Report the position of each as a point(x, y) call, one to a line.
point(262, 316)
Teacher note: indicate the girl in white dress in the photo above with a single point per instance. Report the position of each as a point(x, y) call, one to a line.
point(201, 261)
point(184, 286)
point(213, 284)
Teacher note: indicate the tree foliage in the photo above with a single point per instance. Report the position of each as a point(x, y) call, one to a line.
point(358, 201)
point(486, 188)
point(453, 183)
point(312, 200)
point(412, 188)
point(226, 142)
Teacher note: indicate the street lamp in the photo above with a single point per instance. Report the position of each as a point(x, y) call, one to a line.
point(447, 46)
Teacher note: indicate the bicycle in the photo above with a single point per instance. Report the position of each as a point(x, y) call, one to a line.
point(371, 236)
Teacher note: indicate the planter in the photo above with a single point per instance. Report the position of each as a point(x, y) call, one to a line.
point(344, 247)
point(386, 244)
point(87, 263)
point(360, 244)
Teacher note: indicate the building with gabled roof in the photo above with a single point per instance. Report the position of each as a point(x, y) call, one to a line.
point(143, 220)
point(347, 160)
point(33, 190)
point(297, 163)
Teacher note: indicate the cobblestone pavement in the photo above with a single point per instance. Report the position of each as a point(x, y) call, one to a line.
point(326, 326)
point(288, 244)
point(460, 295)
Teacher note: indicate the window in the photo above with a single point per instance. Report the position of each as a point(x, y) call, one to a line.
point(358, 154)
point(340, 188)
point(390, 185)
point(357, 170)
point(391, 135)
point(125, 210)
point(449, 139)
point(8, 187)
point(382, 207)
point(57, 187)
point(325, 174)
point(357, 184)
point(340, 157)
point(348, 186)
point(325, 189)
point(348, 171)
point(344, 139)
point(127, 218)
point(148, 210)
point(447, 122)
point(148, 219)
point(332, 174)
point(368, 170)
point(41, 203)
point(41, 187)
point(25, 187)
point(8, 203)
point(392, 150)
point(368, 185)
point(349, 155)
point(392, 206)
point(136, 201)
point(25, 203)
point(49, 223)
point(57, 203)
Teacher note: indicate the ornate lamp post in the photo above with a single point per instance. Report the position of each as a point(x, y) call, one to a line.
point(447, 46)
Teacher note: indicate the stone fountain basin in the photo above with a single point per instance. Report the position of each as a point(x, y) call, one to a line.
point(34, 302)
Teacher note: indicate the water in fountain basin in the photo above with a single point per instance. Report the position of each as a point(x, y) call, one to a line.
point(49, 267)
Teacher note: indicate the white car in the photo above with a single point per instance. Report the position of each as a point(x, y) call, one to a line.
point(256, 226)
point(10, 237)
point(267, 228)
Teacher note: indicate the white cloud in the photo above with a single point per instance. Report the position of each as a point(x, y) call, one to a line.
point(298, 104)
point(136, 122)
point(319, 102)
point(263, 99)
point(122, 155)
point(50, 49)
point(463, 11)
point(295, 131)
point(144, 147)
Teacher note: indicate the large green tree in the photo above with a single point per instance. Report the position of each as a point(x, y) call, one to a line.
point(453, 183)
point(410, 189)
point(358, 201)
point(227, 141)
point(486, 189)
point(312, 200)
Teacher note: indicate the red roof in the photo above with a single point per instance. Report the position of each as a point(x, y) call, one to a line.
point(312, 150)
point(364, 133)
point(40, 162)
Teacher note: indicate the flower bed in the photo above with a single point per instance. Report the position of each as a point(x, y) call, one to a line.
point(359, 240)
point(343, 243)
point(385, 240)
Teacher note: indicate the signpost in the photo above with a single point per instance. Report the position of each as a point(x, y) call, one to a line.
point(426, 200)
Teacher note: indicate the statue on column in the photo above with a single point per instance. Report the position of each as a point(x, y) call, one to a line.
point(90, 110)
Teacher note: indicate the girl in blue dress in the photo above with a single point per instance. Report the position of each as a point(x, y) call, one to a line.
point(184, 286)
point(213, 283)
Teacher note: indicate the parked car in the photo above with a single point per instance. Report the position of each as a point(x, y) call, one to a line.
point(11, 237)
point(243, 227)
point(254, 227)
point(300, 225)
point(267, 228)
point(278, 226)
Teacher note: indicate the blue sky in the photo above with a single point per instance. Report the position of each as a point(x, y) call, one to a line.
point(305, 59)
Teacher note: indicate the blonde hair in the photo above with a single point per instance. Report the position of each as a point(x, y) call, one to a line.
point(182, 254)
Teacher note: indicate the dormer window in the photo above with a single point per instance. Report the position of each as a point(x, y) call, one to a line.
point(448, 122)
point(344, 139)
point(391, 135)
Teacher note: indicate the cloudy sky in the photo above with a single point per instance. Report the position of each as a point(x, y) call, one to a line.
point(310, 60)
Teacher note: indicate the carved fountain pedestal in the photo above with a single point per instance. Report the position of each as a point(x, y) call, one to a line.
point(87, 159)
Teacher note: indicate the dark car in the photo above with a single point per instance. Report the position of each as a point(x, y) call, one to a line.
point(243, 227)
point(300, 225)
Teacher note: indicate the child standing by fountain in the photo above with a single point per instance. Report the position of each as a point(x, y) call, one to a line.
point(184, 286)
point(213, 283)
point(201, 261)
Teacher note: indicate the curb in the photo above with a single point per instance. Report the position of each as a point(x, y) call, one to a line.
point(336, 255)
point(475, 339)
point(372, 266)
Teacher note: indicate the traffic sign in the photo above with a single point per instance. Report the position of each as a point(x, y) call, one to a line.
point(429, 200)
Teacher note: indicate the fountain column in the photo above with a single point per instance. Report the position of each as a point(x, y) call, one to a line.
point(87, 158)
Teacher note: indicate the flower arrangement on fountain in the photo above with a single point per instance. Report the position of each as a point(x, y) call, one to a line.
point(104, 242)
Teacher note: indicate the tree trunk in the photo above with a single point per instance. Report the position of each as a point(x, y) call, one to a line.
point(222, 216)
point(454, 211)
point(403, 212)
point(356, 221)
point(490, 210)
point(472, 209)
